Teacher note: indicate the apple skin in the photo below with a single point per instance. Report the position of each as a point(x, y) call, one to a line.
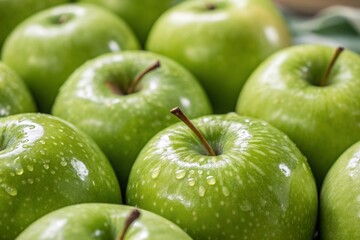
point(140, 15)
point(46, 164)
point(339, 197)
point(259, 186)
point(48, 46)
point(13, 12)
point(122, 124)
point(322, 121)
point(101, 221)
point(15, 97)
point(222, 46)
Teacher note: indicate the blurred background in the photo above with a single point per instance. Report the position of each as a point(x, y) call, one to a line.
point(331, 22)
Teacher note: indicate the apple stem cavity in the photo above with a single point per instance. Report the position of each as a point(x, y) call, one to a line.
point(179, 113)
point(138, 78)
point(210, 6)
point(134, 214)
point(335, 57)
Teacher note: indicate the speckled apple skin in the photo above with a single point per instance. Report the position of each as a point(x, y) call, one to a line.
point(259, 186)
point(46, 164)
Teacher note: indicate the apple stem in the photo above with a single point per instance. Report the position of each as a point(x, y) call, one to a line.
point(134, 214)
point(325, 78)
point(179, 113)
point(138, 78)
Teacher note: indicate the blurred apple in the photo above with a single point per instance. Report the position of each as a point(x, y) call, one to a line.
point(12, 12)
point(140, 15)
point(47, 47)
point(220, 42)
point(15, 97)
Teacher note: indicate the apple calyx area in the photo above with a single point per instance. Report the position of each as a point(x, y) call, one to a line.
point(326, 75)
point(181, 115)
point(134, 214)
point(132, 88)
point(210, 6)
point(62, 18)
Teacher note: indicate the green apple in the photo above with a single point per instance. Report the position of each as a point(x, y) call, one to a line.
point(101, 221)
point(13, 12)
point(255, 185)
point(339, 197)
point(15, 97)
point(47, 47)
point(140, 15)
point(321, 118)
point(97, 98)
point(220, 42)
point(46, 164)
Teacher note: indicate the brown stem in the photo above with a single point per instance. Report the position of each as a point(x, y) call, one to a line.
point(138, 78)
point(178, 113)
point(134, 214)
point(326, 75)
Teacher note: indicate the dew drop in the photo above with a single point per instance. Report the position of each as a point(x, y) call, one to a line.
point(46, 166)
point(200, 172)
point(10, 190)
point(63, 163)
point(30, 168)
point(42, 152)
point(245, 206)
point(211, 180)
point(30, 180)
point(19, 171)
point(191, 182)
point(155, 172)
point(225, 191)
point(180, 174)
point(202, 191)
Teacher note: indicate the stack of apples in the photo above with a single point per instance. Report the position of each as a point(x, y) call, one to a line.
point(169, 119)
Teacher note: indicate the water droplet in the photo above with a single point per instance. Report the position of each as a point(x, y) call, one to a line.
point(30, 180)
point(180, 174)
point(63, 163)
point(285, 169)
point(245, 206)
point(19, 171)
point(30, 168)
point(225, 191)
point(202, 191)
point(155, 172)
point(200, 172)
point(10, 190)
point(46, 166)
point(42, 152)
point(12, 174)
point(211, 180)
point(191, 182)
point(42, 142)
